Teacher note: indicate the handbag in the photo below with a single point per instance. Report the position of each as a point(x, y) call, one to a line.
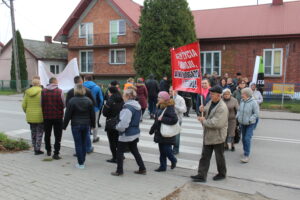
point(112, 123)
point(237, 136)
point(169, 130)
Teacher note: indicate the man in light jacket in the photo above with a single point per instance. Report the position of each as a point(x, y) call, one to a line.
point(180, 109)
point(215, 125)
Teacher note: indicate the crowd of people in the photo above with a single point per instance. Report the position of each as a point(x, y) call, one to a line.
point(227, 108)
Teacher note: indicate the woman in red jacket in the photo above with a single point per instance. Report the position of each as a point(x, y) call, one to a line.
point(142, 94)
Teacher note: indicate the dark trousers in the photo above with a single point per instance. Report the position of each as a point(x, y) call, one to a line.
point(57, 125)
point(79, 134)
point(37, 132)
point(204, 162)
point(188, 103)
point(152, 101)
point(135, 152)
point(113, 136)
point(166, 152)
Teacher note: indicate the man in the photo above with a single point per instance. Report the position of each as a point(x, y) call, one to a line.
point(238, 77)
point(215, 125)
point(257, 97)
point(187, 96)
point(180, 109)
point(164, 84)
point(99, 100)
point(214, 79)
point(153, 89)
point(70, 94)
point(231, 85)
point(53, 111)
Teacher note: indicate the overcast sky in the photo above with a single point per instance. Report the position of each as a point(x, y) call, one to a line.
point(37, 18)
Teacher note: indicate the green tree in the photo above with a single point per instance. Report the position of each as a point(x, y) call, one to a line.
point(163, 25)
point(22, 64)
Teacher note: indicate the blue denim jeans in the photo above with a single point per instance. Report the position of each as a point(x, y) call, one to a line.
point(89, 146)
point(166, 151)
point(79, 134)
point(255, 125)
point(247, 132)
point(152, 101)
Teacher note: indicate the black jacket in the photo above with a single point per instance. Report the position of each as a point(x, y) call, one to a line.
point(80, 111)
point(169, 118)
point(113, 106)
point(164, 85)
point(88, 94)
point(152, 87)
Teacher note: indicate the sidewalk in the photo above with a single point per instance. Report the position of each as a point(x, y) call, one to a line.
point(278, 115)
point(25, 176)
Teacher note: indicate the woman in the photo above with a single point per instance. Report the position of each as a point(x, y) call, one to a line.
point(129, 132)
point(247, 115)
point(205, 95)
point(142, 95)
point(32, 107)
point(111, 111)
point(237, 93)
point(233, 106)
point(169, 117)
point(81, 112)
point(258, 98)
point(223, 83)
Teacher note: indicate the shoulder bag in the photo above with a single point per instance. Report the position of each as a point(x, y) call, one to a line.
point(169, 130)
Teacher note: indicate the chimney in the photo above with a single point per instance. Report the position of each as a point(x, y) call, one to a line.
point(48, 39)
point(277, 2)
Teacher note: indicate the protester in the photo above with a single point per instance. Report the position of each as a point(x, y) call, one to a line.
point(187, 96)
point(142, 95)
point(112, 84)
point(129, 132)
point(215, 125)
point(130, 82)
point(164, 84)
point(246, 80)
point(111, 111)
point(34, 116)
point(247, 115)
point(78, 81)
point(237, 78)
point(53, 111)
point(214, 79)
point(205, 94)
point(169, 117)
point(226, 76)
point(237, 93)
point(99, 100)
point(180, 109)
point(153, 89)
point(223, 83)
point(258, 98)
point(231, 85)
point(80, 111)
point(233, 106)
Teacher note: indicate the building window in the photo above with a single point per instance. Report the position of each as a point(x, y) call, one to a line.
point(210, 62)
point(86, 31)
point(273, 62)
point(117, 56)
point(54, 69)
point(86, 61)
point(117, 28)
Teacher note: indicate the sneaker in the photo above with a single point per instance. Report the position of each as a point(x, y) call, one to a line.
point(160, 170)
point(112, 160)
point(232, 148)
point(96, 140)
point(116, 174)
point(56, 157)
point(142, 172)
point(173, 165)
point(245, 159)
point(48, 153)
point(198, 178)
point(79, 166)
point(219, 177)
point(75, 155)
point(91, 151)
point(175, 152)
point(38, 152)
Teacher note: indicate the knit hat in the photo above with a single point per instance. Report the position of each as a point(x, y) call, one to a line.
point(216, 89)
point(247, 91)
point(113, 90)
point(164, 95)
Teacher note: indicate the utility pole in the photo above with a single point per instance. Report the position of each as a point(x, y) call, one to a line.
point(14, 45)
point(284, 75)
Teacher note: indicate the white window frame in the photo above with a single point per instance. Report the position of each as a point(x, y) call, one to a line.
point(86, 61)
point(56, 68)
point(115, 50)
point(86, 35)
point(272, 62)
point(212, 61)
point(118, 29)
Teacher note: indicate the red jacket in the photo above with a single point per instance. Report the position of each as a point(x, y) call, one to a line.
point(52, 102)
point(142, 94)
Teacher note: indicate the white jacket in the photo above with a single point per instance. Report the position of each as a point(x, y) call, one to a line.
point(258, 97)
point(180, 106)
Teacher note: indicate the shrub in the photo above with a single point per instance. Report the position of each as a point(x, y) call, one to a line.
point(8, 144)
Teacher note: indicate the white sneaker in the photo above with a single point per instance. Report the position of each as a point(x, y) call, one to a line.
point(245, 159)
point(79, 166)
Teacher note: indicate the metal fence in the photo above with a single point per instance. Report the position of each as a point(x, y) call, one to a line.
point(274, 91)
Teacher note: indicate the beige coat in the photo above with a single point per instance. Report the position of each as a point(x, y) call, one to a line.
point(216, 124)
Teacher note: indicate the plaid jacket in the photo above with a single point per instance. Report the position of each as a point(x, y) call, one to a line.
point(52, 104)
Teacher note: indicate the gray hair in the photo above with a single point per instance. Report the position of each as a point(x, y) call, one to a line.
point(79, 90)
point(226, 90)
point(247, 91)
point(130, 93)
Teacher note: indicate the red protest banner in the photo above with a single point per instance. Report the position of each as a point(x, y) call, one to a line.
point(186, 69)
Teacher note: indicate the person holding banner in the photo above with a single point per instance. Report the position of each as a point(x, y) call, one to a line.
point(205, 95)
point(165, 114)
point(215, 124)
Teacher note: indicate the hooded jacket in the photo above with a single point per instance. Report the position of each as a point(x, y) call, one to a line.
point(32, 105)
point(97, 94)
point(248, 112)
point(142, 94)
point(152, 87)
point(128, 126)
point(80, 111)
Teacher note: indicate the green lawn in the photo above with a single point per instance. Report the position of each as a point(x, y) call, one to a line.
point(291, 106)
point(7, 92)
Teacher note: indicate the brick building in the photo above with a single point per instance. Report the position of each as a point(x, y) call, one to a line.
point(102, 34)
